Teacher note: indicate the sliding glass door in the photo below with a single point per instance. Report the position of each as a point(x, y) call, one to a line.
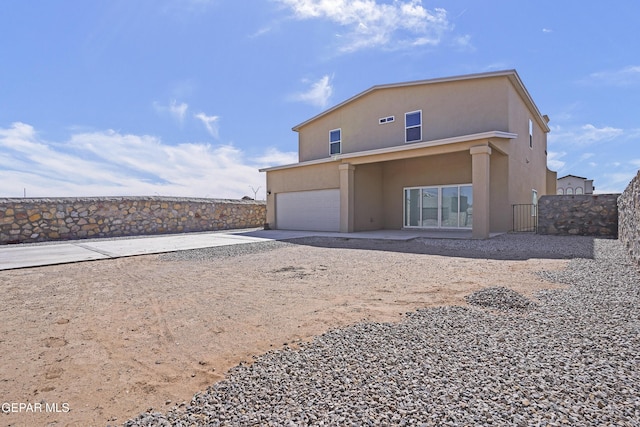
point(429, 207)
point(447, 206)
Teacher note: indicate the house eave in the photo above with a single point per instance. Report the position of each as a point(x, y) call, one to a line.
point(397, 149)
point(512, 75)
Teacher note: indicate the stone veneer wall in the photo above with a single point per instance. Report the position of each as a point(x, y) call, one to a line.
point(629, 218)
point(37, 220)
point(584, 215)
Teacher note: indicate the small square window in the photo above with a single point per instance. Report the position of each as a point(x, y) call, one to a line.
point(413, 126)
point(335, 140)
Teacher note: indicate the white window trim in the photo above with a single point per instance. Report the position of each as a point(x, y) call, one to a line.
point(385, 120)
point(411, 127)
point(335, 142)
point(531, 134)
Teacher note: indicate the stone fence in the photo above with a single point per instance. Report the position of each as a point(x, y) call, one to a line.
point(37, 220)
point(579, 215)
point(629, 220)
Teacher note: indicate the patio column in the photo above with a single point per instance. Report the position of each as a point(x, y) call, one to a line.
point(480, 174)
point(346, 197)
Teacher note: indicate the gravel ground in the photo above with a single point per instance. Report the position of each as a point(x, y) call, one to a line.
point(569, 359)
point(506, 246)
point(207, 254)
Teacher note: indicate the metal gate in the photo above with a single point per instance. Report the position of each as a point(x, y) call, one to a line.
point(525, 218)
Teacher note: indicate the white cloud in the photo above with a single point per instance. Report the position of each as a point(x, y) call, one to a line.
point(261, 32)
point(210, 122)
point(109, 163)
point(318, 94)
point(178, 111)
point(403, 23)
point(175, 110)
point(273, 157)
point(584, 135)
point(496, 66)
point(547, 30)
point(617, 180)
point(463, 43)
point(626, 76)
point(554, 162)
point(591, 134)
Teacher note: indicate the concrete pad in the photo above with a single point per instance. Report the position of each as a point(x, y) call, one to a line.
point(33, 256)
point(50, 253)
point(375, 234)
point(169, 243)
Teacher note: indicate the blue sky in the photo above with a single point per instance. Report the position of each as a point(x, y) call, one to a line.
point(191, 97)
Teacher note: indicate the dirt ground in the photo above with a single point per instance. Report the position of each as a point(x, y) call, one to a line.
point(97, 343)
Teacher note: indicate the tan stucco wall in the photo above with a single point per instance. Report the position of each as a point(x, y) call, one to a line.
point(312, 177)
point(527, 166)
point(552, 182)
point(378, 187)
point(454, 168)
point(369, 198)
point(448, 109)
point(500, 210)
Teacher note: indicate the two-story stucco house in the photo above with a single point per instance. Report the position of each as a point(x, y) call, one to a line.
point(448, 153)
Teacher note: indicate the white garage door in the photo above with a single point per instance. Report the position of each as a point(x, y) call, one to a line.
point(317, 210)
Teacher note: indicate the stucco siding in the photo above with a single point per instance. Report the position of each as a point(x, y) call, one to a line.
point(447, 169)
point(312, 177)
point(448, 109)
point(500, 207)
point(368, 197)
point(527, 164)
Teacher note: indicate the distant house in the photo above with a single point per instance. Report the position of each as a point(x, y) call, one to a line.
point(572, 184)
point(447, 153)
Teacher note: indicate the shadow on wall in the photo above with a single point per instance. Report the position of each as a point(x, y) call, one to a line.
point(513, 246)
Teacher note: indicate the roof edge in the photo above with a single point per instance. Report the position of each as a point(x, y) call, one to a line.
point(574, 176)
point(512, 74)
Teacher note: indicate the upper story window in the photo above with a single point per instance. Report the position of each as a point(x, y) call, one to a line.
point(335, 140)
point(413, 126)
point(530, 133)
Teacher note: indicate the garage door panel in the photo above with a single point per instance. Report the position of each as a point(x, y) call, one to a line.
point(317, 210)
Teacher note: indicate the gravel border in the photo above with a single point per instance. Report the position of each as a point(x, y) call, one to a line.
point(570, 360)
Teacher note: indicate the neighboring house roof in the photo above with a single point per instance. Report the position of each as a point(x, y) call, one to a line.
point(571, 176)
point(512, 75)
